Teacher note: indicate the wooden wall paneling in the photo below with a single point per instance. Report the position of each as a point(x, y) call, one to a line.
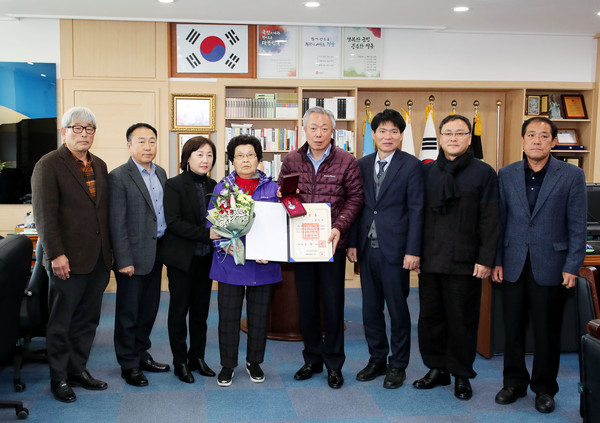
point(66, 48)
point(114, 49)
point(117, 105)
point(515, 108)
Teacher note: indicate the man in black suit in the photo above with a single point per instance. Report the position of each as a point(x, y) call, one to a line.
point(460, 235)
point(386, 240)
point(137, 224)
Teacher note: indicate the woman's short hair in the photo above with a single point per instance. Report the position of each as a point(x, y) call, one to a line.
point(192, 145)
point(244, 140)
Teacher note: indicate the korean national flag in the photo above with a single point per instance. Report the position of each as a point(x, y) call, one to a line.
point(212, 48)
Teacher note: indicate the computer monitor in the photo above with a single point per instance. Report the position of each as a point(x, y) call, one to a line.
point(593, 212)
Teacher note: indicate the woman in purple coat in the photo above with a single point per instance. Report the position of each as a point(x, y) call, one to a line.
point(254, 279)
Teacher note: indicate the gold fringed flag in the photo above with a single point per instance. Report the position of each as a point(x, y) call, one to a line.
point(476, 138)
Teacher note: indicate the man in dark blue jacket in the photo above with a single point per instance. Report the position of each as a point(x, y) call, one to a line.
point(386, 240)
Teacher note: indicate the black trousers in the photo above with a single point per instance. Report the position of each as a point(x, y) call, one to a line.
point(258, 301)
point(384, 283)
point(190, 293)
point(322, 283)
point(545, 304)
point(448, 322)
point(73, 316)
point(138, 297)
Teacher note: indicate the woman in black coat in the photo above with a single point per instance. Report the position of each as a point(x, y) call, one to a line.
point(187, 252)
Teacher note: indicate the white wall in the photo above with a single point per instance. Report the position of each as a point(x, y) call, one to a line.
point(429, 55)
point(409, 54)
point(34, 40)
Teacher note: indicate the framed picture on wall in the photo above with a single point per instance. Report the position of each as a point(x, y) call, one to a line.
point(182, 138)
point(533, 105)
point(190, 112)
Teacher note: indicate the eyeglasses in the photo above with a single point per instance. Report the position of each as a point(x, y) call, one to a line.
point(241, 156)
point(455, 134)
point(78, 129)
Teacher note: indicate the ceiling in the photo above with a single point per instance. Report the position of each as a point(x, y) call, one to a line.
point(568, 17)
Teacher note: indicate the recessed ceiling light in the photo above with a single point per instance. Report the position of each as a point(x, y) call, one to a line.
point(461, 9)
point(166, 1)
point(312, 4)
point(598, 13)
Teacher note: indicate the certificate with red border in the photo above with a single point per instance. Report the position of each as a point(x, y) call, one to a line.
point(277, 237)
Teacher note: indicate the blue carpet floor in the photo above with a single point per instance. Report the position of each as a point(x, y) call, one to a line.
point(280, 398)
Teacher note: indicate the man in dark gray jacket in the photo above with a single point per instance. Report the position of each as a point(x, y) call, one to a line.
point(137, 224)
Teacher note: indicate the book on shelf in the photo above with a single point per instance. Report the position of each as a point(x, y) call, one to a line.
point(344, 139)
point(272, 139)
point(271, 167)
point(286, 105)
point(341, 107)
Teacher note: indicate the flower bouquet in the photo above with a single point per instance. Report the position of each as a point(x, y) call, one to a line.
point(232, 217)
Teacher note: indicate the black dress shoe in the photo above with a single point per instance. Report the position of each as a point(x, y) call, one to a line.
point(462, 388)
point(134, 377)
point(335, 379)
point(371, 371)
point(433, 378)
point(510, 394)
point(394, 378)
point(62, 391)
point(86, 381)
point(183, 372)
point(544, 403)
point(308, 370)
point(200, 365)
point(152, 366)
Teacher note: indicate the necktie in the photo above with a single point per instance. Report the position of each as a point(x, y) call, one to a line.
point(382, 164)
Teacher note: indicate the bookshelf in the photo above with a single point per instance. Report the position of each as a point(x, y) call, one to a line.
point(273, 114)
point(583, 128)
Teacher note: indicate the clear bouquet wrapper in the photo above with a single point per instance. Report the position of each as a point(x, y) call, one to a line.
point(232, 217)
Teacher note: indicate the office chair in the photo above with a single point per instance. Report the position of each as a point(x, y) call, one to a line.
point(15, 265)
point(34, 315)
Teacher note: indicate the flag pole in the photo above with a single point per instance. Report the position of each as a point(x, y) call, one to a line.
point(387, 104)
point(498, 104)
point(454, 103)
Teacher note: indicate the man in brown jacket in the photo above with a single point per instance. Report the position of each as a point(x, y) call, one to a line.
point(70, 198)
